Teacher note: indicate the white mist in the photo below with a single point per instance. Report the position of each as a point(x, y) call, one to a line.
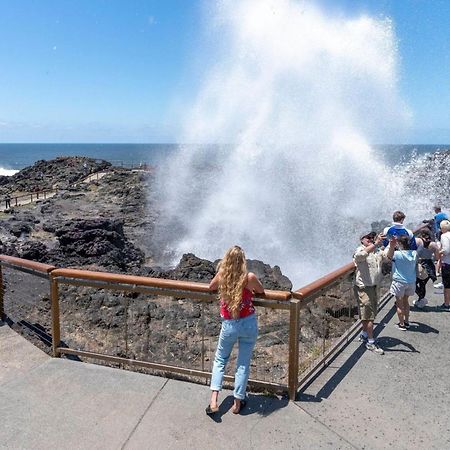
point(296, 95)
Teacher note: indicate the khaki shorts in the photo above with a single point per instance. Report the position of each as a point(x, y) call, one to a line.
point(367, 298)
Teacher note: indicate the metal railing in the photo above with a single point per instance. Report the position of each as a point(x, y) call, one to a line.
point(283, 358)
point(30, 197)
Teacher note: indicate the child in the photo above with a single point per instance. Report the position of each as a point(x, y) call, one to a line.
point(404, 261)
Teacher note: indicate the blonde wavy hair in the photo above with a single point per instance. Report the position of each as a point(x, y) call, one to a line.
point(233, 278)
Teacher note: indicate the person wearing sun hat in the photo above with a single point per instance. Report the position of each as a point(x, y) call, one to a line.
point(368, 260)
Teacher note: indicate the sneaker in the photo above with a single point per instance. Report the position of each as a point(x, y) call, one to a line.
point(420, 302)
point(362, 338)
point(438, 286)
point(444, 306)
point(375, 348)
point(407, 325)
point(401, 327)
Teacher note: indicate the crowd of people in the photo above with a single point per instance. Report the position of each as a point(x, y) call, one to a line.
point(415, 259)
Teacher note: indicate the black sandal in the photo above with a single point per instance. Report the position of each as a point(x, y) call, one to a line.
point(210, 411)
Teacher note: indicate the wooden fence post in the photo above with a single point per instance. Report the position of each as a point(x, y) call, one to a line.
point(56, 333)
point(2, 307)
point(294, 330)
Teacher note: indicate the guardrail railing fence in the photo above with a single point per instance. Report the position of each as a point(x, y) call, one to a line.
point(171, 327)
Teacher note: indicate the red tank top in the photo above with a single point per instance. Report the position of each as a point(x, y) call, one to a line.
point(246, 306)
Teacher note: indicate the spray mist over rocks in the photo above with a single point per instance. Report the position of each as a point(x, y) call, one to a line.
point(290, 102)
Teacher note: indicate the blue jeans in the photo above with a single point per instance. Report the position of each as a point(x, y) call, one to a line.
point(245, 332)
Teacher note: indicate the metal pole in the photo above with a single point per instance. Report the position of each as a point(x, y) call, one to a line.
point(2, 308)
point(294, 331)
point(56, 333)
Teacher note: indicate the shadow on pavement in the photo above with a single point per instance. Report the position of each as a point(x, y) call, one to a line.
point(388, 343)
point(419, 327)
point(262, 405)
point(334, 381)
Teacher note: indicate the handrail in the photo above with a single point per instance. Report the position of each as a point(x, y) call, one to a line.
point(26, 264)
point(160, 283)
point(306, 292)
point(291, 301)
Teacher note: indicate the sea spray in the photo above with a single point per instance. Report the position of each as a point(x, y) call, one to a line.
point(293, 96)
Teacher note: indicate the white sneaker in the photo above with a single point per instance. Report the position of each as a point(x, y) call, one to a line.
point(420, 302)
point(438, 286)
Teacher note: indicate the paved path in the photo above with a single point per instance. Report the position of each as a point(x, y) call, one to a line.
point(362, 400)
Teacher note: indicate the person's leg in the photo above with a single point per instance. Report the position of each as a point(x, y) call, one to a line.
point(227, 338)
point(406, 309)
point(365, 326)
point(247, 340)
point(399, 305)
point(362, 299)
point(447, 296)
point(420, 287)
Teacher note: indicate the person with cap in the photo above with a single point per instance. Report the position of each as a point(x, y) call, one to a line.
point(368, 260)
point(445, 262)
point(398, 229)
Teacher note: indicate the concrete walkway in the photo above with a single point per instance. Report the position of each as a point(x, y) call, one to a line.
point(362, 400)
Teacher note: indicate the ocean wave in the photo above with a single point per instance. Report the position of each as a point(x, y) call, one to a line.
point(7, 172)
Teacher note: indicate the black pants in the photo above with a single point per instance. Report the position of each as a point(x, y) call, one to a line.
point(420, 287)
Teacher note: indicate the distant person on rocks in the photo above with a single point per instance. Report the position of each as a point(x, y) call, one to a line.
point(445, 262)
point(438, 218)
point(428, 254)
point(398, 229)
point(7, 201)
point(368, 260)
point(404, 261)
point(236, 287)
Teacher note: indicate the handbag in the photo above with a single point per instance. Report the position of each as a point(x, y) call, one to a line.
point(421, 272)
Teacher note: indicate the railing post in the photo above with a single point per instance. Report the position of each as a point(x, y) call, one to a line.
point(56, 333)
point(294, 331)
point(2, 307)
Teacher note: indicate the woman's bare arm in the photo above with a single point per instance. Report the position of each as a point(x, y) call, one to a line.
point(253, 284)
point(391, 247)
point(214, 284)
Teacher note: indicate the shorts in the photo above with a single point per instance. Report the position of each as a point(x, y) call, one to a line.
point(401, 289)
point(446, 275)
point(367, 298)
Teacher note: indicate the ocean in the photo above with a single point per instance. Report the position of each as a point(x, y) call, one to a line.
point(14, 157)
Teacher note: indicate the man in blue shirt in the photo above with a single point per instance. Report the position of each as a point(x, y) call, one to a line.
point(397, 229)
point(438, 218)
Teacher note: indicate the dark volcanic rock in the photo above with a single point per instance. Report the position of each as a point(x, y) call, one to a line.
point(98, 241)
point(271, 278)
point(33, 250)
point(62, 171)
point(192, 268)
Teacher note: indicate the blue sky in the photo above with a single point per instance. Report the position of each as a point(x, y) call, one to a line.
point(118, 71)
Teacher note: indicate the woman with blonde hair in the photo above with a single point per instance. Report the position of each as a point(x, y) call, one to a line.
point(236, 287)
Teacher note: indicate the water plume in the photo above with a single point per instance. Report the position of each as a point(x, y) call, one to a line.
point(293, 97)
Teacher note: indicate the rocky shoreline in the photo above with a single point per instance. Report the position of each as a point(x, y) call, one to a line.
point(106, 225)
